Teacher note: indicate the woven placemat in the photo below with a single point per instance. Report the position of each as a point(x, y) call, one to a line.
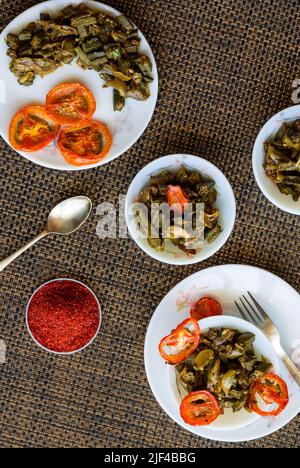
point(225, 67)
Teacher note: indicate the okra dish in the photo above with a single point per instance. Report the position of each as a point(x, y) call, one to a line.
point(186, 229)
point(97, 41)
point(225, 364)
point(218, 369)
point(282, 159)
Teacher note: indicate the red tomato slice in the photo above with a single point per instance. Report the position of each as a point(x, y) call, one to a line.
point(176, 198)
point(273, 390)
point(206, 307)
point(85, 144)
point(199, 408)
point(70, 104)
point(181, 343)
point(32, 129)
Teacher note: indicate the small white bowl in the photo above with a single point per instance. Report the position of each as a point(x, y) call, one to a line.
point(262, 347)
point(225, 202)
point(269, 188)
point(77, 350)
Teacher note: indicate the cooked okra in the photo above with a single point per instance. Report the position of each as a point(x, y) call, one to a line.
point(226, 365)
point(186, 187)
point(99, 42)
point(282, 159)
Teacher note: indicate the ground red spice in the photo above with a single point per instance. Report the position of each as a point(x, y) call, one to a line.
point(63, 316)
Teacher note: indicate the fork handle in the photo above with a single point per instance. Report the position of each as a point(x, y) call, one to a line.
point(290, 365)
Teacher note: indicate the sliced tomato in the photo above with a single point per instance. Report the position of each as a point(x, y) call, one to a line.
point(176, 198)
point(200, 408)
point(70, 104)
point(32, 129)
point(85, 144)
point(181, 343)
point(206, 307)
point(273, 390)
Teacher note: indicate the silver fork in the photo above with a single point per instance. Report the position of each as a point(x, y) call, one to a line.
point(252, 311)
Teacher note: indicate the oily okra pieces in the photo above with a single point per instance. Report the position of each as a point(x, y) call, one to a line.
point(99, 42)
point(224, 364)
point(282, 160)
point(198, 191)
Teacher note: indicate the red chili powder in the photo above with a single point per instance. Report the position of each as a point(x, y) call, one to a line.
point(63, 316)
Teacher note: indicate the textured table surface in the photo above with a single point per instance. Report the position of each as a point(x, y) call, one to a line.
point(225, 66)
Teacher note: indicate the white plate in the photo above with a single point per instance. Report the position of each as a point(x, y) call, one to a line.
point(126, 126)
point(268, 188)
point(225, 283)
point(225, 202)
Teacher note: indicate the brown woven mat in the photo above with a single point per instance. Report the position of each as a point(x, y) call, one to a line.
point(225, 67)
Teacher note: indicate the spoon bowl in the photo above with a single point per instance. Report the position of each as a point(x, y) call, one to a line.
point(69, 215)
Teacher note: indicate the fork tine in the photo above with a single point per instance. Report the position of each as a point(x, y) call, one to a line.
point(252, 317)
point(259, 317)
point(241, 311)
point(261, 310)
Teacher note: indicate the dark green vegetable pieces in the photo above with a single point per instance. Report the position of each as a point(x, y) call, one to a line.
point(183, 233)
point(282, 159)
point(224, 364)
point(99, 42)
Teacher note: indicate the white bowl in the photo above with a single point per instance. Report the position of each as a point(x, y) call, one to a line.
point(269, 188)
point(262, 347)
point(77, 350)
point(225, 202)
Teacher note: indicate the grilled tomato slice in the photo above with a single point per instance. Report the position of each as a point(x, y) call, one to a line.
point(200, 408)
point(181, 343)
point(273, 391)
point(70, 104)
point(86, 144)
point(32, 129)
point(206, 307)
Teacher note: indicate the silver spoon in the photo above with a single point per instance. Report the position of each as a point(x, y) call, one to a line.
point(64, 219)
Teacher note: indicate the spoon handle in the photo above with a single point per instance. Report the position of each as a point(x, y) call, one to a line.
point(4, 263)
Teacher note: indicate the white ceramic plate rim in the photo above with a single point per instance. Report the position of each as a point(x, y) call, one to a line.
point(154, 86)
point(217, 435)
point(280, 200)
point(71, 352)
point(191, 161)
